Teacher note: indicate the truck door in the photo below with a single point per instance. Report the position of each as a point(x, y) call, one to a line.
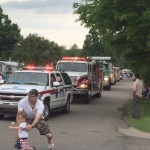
point(54, 94)
point(95, 78)
point(61, 89)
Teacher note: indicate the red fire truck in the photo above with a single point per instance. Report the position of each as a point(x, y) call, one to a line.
point(86, 76)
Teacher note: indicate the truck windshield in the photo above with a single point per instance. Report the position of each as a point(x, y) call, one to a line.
point(105, 69)
point(72, 66)
point(32, 78)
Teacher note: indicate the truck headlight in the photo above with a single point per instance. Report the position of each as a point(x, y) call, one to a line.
point(105, 78)
point(83, 86)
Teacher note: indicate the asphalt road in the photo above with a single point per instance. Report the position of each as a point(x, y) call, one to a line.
point(87, 127)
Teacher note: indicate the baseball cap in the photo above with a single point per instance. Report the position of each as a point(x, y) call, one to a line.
point(33, 92)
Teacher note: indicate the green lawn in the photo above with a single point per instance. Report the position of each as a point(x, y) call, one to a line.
point(143, 123)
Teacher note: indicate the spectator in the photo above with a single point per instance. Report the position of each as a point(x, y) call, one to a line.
point(137, 94)
point(145, 91)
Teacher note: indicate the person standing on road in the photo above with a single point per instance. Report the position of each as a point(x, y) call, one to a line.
point(33, 107)
point(22, 135)
point(137, 94)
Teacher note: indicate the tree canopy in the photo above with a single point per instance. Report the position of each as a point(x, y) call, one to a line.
point(123, 27)
point(92, 45)
point(9, 35)
point(37, 50)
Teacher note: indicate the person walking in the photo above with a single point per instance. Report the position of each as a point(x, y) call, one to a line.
point(34, 107)
point(137, 94)
point(22, 135)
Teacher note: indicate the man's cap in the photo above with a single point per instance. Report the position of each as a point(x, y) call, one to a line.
point(33, 92)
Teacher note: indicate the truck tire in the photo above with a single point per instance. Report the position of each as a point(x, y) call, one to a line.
point(46, 110)
point(86, 99)
point(2, 116)
point(67, 106)
point(98, 95)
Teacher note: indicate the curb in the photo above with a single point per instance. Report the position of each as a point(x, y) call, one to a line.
point(134, 132)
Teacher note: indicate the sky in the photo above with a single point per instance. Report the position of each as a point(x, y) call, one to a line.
point(52, 19)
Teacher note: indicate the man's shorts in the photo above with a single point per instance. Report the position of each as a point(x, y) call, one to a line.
point(42, 126)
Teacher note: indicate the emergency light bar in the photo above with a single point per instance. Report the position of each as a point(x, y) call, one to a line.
point(101, 58)
point(29, 67)
point(45, 68)
point(76, 58)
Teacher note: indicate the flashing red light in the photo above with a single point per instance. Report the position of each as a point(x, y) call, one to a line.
point(49, 67)
point(30, 67)
point(76, 58)
point(46, 68)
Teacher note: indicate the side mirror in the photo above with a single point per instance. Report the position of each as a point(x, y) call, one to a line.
point(56, 84)
point(2, 81)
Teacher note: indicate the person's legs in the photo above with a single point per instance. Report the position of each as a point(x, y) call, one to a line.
point(50, 142)
point(138, 108)
point(24, 144)
point(44, 129)
point(135, 107)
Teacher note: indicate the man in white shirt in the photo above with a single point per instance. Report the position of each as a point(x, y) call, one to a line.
point(34, 107)
point(137, 94)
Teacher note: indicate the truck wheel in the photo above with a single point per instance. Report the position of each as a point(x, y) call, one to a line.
point(98, 95)
point(108, 88)
point(67, 106)
point(86, 99)
point(2, 116)
point(46, 111)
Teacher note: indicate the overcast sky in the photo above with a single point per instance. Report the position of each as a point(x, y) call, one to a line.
point(52, 19)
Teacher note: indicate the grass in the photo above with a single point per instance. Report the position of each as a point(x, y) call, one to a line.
point(143, 123)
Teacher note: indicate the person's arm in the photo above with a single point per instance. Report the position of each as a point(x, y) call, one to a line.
point(134, 89)
point(12, 127)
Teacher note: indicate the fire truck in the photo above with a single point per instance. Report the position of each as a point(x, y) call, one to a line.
point(107, 67)
point(85, 74)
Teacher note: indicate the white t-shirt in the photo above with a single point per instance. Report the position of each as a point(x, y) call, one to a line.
point(138, 87)
point(24, 105)
point(21, 132)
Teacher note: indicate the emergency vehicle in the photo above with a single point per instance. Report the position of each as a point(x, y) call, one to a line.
point(54, 94)
point(85, 75)
point(107, 67)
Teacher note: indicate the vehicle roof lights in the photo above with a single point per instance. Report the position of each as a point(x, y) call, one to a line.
point(42, 68)
point(75, 58)
point(101, 58)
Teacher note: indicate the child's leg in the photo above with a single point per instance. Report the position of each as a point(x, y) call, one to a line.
point(31, 148)
point(24, 144)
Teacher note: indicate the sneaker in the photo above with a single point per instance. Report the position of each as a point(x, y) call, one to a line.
point(34, 148)
point(51, 146)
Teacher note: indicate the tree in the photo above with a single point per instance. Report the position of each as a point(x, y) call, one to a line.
point(37, 50)
point(123, 27)
point(71, 52)
point(92, 44)
point(9, 35)
point(74, 46)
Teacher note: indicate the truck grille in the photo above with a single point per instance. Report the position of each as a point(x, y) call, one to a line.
point(74, 80)
point(11, 96)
